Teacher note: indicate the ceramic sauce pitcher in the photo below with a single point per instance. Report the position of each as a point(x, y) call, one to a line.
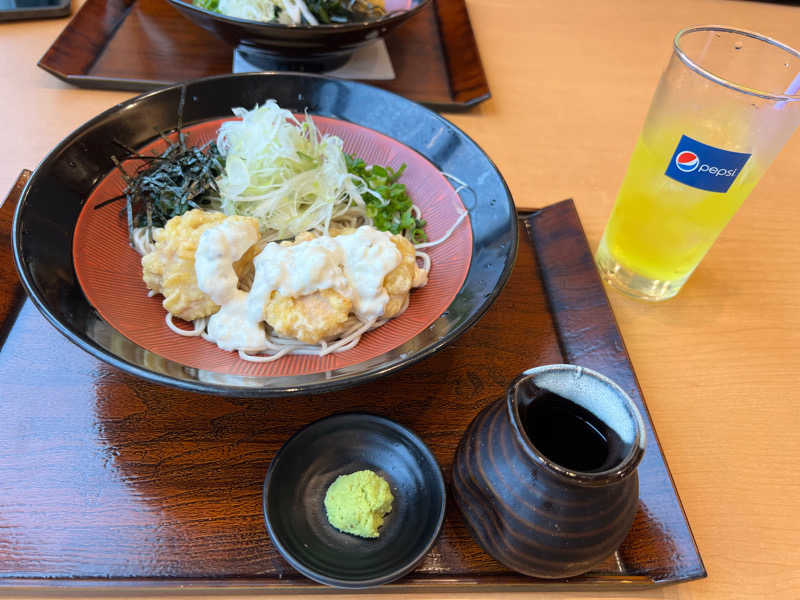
point(546, 477)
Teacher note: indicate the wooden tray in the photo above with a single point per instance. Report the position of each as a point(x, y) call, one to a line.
point(140, 45)
point(107, 480)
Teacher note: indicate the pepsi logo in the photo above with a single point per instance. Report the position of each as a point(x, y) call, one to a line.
point(687, 161)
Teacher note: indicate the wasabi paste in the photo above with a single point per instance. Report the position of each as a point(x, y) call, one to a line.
point(356, 503)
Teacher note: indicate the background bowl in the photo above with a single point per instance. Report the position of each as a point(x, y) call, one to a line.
point(312, 459)
point(310, 48)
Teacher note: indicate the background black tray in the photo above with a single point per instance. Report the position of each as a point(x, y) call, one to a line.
point(139, 45)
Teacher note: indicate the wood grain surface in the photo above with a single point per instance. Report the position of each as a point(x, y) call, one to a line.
point(571, 82)
point(135, 481)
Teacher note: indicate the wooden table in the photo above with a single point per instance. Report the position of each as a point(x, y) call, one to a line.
point(571, 82)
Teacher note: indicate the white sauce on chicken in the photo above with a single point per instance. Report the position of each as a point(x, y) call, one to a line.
point(369, 256)
point(219, 247)
point(354, 265)
point(231, 330)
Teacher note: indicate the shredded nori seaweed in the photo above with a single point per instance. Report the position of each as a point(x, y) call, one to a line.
point(171, 183)
point(344, 11)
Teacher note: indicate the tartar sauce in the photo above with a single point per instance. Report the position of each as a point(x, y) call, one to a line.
point(231, 330)
point(354, 265)
point(219, 247)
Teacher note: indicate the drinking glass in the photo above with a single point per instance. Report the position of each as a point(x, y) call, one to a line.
point(724, 107)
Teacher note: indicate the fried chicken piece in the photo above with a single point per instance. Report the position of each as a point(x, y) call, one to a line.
point(402, 278)
point(170, 268)
point(326, 313)
point(311, 318)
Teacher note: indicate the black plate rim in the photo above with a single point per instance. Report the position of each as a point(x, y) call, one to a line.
point(195, 385)
point(411, 564)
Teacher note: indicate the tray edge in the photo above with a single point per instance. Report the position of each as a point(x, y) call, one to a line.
point(567, 210)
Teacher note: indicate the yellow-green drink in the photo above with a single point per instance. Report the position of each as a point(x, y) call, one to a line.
point(661, 228)
point(711, 132)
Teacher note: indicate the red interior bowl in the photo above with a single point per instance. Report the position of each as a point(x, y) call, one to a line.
point(110, 273)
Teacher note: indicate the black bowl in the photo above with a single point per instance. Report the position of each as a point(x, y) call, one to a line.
point(312, 459)
point(49, 206)
point(310, 48)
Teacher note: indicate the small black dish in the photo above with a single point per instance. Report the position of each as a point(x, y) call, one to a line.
point(306, 48)
point(299, 476)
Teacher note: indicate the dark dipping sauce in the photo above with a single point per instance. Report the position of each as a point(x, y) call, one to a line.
point(569, 435)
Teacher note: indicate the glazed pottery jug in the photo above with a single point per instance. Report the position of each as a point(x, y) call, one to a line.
point(546, 477)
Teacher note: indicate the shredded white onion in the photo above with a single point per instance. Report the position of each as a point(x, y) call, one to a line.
point(286, 174)
point(288, 12)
